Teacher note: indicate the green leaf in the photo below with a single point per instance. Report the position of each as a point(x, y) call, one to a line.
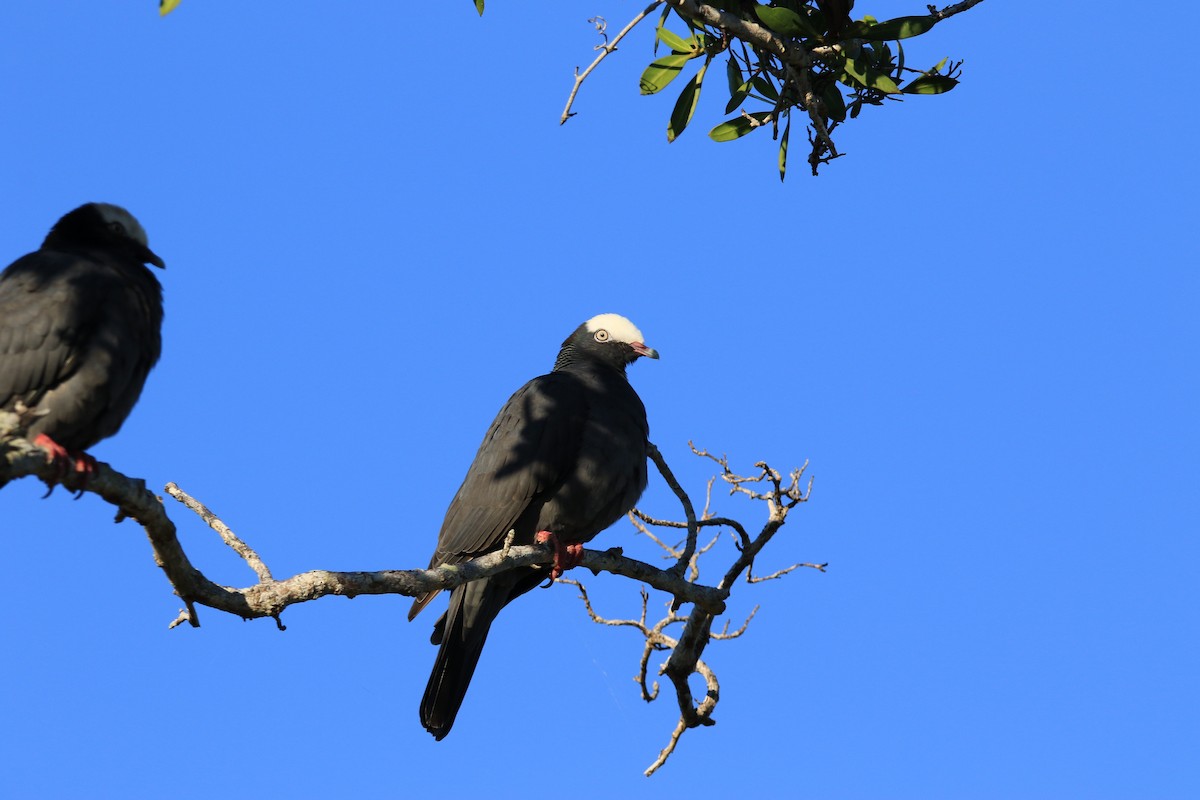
point(478, 6)
point(898, 28)
point(930, 84)
point(738, 127)
point(661, 72)
point(737, 97)
point(662, 20)
point(674, 42)
point(783, 150)
point(765, 88)
point(865, 75)
point(835, 104)
point(734, 74)
point(685, 106)
point(785, 22)
point(167, 6)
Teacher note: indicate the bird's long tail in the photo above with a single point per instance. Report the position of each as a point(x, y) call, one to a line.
point(461, 634)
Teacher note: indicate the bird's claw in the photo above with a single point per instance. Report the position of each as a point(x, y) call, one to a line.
point(55, 452)
point(65, 461)
point(565, 556)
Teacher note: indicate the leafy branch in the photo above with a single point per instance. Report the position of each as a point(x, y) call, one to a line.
point(795, 55)
point(805, 56)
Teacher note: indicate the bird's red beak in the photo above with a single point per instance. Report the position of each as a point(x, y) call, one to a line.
point(642, 350)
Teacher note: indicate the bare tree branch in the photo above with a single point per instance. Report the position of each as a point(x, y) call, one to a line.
point(269, 597)
point(767, 486)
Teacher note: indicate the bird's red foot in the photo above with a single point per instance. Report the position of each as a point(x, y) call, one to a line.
point(55, 452)
point(565, 556)
point(82, 463)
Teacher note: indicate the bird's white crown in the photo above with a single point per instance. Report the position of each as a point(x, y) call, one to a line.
point(619, 329)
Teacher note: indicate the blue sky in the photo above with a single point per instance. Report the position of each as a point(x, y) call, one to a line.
point(979, 327)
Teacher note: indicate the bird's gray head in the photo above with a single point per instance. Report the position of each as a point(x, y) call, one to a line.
point(121, 221)
point(106, 226)
point(607, 338)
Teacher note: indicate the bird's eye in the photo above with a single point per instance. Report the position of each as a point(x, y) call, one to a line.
point(117, 228)
point(601, 335)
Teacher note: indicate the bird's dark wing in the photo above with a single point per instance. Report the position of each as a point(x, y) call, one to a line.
point(42, 323)
point(78, 335)
point(529, 449)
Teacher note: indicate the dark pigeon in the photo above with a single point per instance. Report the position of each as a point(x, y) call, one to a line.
point(564, 459)
point(80, 328)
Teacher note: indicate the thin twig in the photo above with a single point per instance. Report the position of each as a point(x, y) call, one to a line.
point(187, 615)
point(605, 49)
point(688, 510)
point(752, 578)
point(508, 541)
point(599, 620)
point(757, 123)
point(666, 751)
point(639, 520)
point(213, 521)
point(710, 522)
point(706, 513)
point(725, 634)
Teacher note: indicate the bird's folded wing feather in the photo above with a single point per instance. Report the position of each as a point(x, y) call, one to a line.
point(529, 449)
point(41, 324)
